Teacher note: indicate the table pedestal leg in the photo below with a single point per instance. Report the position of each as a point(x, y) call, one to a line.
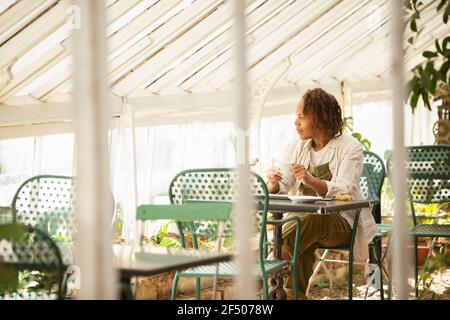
point(276, 289)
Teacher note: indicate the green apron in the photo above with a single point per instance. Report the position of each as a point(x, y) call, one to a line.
point(322, 172)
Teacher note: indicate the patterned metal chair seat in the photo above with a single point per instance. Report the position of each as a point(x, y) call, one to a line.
point(431, 230)
point(230, 269)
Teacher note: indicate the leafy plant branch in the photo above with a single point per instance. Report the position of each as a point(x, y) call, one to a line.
point(430, 80)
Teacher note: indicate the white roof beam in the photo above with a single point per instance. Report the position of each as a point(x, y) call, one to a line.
point(343, 55)
point(370, 54)
point(211, 50)
point(412, 60)
point(127, 46)
point(149, 67)
point(225, 54)
point(376, 53)
point(202, 32)
point(128, 16)
point(274, 40)
point(25, 40)
point(194, 61)
point(46, 112)
point(138, 32)
point(25, 114)
point(382, 65)
point(322, 17)
point(333, 44)
point(22, 131)
point(129, 43)
point(363, 56)
point(20, 15)
point(6, 5)
point(31, 72)
point(116, 10)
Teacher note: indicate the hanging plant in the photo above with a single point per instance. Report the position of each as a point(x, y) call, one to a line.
point(431, 79)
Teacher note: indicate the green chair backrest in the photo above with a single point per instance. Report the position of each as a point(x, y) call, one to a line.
point(217, 185)
point(428, 170)
point(372, 176)
point(27, 249)
point(47, 202)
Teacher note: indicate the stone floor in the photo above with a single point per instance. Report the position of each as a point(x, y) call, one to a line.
point(440, 289)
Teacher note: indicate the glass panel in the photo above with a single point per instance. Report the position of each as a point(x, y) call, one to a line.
point(16, 162)
point(57, 154)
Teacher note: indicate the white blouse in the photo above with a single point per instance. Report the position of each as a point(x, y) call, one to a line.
point(320, 157)
point(346, 165)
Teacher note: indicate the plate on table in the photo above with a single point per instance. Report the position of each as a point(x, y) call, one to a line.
point(305, 198)
point(277, 196)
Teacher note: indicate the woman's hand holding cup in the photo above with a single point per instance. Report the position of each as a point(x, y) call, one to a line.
point(275, 175)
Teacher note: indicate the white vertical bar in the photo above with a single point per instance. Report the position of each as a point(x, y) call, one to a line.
point(401, 254)
point(93, 209)
point(134, 189)
point(246, 287)
point(37, 156)
point(74, 158)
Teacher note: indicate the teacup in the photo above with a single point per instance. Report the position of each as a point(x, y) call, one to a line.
point(285, 168)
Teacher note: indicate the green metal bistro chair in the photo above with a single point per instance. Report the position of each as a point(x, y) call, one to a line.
point(27, 249)
point(185, 214)
point(428, 169)
point(371, 182)
point(219, 185)
point(47, 202)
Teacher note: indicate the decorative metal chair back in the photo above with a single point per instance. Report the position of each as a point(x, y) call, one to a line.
point(24, 248)
point(216, 185)
point(372, 177)
point(47, 202)
point(428, 170)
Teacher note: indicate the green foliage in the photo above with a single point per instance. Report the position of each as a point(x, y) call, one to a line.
point(321, 285)
point(62, 239)
point(432, 213)
point(435, 263)
point(163, 238)
point(8, 279)
point(118, 221)
point(341, 285)
point(229, 243)
point(348, 124)
point(430, 78)
point(35, 280)
point(26, 281)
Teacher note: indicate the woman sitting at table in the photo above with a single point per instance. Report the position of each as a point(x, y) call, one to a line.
point(326, 162)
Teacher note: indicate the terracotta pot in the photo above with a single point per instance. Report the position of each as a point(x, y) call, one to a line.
point(422, 252)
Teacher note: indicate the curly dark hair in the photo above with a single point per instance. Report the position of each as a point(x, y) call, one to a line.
point(325, 110)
